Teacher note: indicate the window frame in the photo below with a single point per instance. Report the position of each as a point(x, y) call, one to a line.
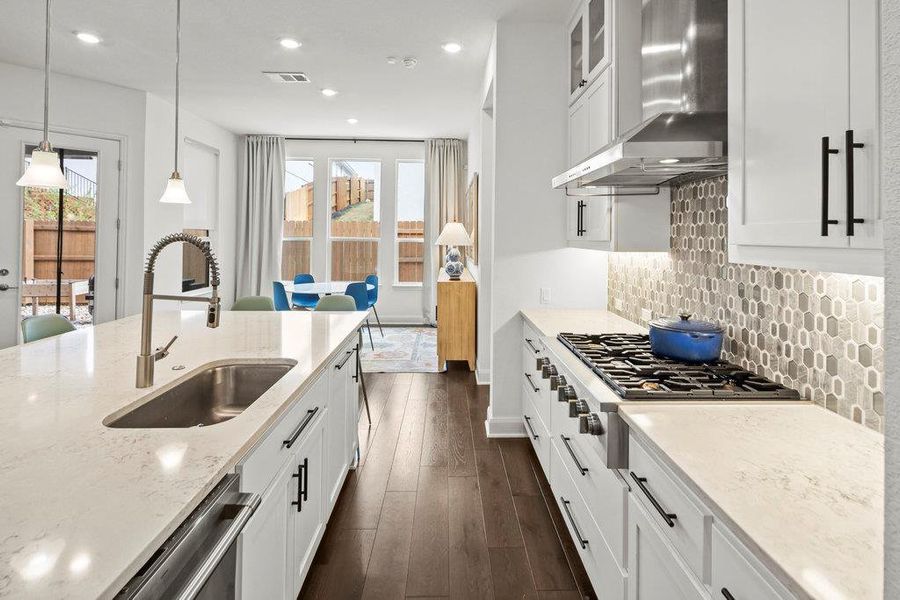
point(330, 239)
point(295, 238)
point(397, 239)
point(211, 226)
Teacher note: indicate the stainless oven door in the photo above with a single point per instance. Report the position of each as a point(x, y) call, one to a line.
point(199, 560)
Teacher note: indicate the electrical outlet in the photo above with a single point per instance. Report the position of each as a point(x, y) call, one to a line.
point(646, 315)
point(545, 295)
point(618, 304)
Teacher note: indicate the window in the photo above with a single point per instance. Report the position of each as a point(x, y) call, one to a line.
point(201, 162)
point(355, 218)
point(298, 216)
point(410, 221)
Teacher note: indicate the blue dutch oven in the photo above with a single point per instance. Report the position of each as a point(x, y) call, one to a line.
point(686, 339)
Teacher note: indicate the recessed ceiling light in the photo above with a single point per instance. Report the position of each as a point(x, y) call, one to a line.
point(353, 120)
point(87, 38)
point(329, 92)
point(410, 62)
point(452, 47)
point(289, 43)
point(668, 161)
point(391, 60)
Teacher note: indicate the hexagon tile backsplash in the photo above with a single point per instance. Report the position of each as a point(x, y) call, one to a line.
point(819, 333)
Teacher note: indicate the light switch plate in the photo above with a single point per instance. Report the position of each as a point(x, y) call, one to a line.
point(618, 304)
point(646, 314)
point(545, 295)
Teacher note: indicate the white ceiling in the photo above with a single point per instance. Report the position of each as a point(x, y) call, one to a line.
point(227, 43)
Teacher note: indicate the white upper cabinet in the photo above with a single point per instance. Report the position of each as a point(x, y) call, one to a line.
point(577, 67)
point(803, 145)
point(589, 44)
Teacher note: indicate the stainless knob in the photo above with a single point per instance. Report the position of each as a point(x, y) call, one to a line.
point(566, 393)
point(578, 407)
point(590, 424)
point(5, 286)
point(557, 381)
point(540, 362)
point(548, 371)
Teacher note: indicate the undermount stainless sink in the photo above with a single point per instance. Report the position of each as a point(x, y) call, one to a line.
point(209, 396)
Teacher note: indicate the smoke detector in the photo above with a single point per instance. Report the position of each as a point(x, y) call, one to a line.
point(287, 77)
point(409, 62)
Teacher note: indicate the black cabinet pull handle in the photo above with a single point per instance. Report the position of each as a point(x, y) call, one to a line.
point(344, 362)
point(727, 594)
point(669, 518)
point(581, 230)
point(530, 428)
point(851, 218)
point(583, 542)
point(531, 381)
point(302, 481)
point(309, 416)
point(577, 462)
point(826, 151)
point(533, 347)
point(305, 479)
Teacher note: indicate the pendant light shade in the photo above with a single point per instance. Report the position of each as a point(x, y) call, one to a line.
point(175, 192)
point(44, 170)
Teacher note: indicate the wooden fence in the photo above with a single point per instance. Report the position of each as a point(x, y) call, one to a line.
point(39, 249)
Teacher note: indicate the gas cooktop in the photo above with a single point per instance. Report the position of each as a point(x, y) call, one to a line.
point(626, 364)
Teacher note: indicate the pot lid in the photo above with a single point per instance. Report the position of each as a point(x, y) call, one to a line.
point(684, 322)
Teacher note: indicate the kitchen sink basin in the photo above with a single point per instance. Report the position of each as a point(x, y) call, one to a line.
point(212, 395)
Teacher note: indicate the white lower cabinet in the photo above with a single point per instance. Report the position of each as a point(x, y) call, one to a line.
point(299, 468)
point(734, 574)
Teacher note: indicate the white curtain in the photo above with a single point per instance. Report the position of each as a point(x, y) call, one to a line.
point(445, 190)
point(260, 215)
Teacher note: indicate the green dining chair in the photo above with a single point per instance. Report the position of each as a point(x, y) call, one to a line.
point(342, 303)
point(44, 326)
point(254, 303)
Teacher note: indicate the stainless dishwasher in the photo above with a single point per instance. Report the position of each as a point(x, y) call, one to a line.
point(199, 560)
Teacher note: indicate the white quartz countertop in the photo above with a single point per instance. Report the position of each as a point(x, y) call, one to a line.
point(802, 487)
point(83, 506)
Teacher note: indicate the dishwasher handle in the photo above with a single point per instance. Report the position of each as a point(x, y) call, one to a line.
point(246, 506)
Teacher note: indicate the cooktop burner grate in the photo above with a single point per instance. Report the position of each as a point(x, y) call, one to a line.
point(626, 364)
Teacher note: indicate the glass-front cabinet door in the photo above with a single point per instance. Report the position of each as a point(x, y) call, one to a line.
point(576, 56)
point(597, 45)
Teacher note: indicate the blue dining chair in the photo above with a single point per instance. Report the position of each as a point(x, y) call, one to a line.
point(357, 291)
point(279, 295)
point(307, 301)
point(373, 298)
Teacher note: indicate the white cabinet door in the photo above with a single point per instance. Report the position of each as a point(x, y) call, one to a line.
point(307, 512)
point(795, 72)
point(655, 572)
point(577, 67)
point(336, 452)
point(579, 131)
point(733, 576)
point(354, 405)
point(600, 114)
point(598, 44)
point(264, 572)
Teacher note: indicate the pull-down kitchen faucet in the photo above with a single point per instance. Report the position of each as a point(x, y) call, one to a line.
point(146, 360)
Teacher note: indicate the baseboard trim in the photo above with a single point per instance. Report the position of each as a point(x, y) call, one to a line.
point(504, 428)
point(483, 376)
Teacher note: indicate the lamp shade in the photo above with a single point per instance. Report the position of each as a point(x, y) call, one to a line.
point(453, 234)
point(43, 172)
point(175, 192)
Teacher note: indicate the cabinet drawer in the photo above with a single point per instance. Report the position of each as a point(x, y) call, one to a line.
point(605, 494)
point(538, 433)
point(265, 459)
point(734, 575)
point(686, 525)
point(595, 553)
point(531, 341)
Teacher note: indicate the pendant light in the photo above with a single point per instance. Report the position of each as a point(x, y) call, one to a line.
point(44, 170)
point(175, 192)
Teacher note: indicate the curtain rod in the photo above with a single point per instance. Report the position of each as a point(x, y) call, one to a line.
point(354, 140)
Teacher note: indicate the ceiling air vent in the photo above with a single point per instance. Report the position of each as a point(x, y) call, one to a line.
point(285, 77)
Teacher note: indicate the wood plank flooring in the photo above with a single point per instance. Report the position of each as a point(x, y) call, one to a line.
point(438, 510)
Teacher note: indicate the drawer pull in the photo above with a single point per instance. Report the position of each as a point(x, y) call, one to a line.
point(531, 382)
point(583, 542)
point(344, 362)
point(533, 347)
point(577, 462)
point(851, 217)
point(669, 518)
point(309, 417)
point(727, 594)
point(530, 428)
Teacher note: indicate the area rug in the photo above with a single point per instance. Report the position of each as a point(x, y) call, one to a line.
point(401, 350)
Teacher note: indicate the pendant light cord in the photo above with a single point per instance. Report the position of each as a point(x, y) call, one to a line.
point(45, 144)
point(177, 71)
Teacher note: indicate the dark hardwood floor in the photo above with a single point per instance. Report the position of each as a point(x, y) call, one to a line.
point(437, 510)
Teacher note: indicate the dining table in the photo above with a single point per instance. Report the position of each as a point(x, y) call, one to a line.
point(325, 288)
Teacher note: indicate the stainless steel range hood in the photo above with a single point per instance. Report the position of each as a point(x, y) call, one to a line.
point(684, 100)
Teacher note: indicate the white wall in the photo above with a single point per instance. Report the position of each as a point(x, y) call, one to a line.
point(890, 189)
point(529, 245)
point(161, 219)
point(396, 304)
point(84, 107)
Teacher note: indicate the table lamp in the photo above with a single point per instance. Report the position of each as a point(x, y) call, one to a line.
point(453, 235)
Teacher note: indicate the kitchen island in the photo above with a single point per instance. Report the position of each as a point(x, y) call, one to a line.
point(83, 505)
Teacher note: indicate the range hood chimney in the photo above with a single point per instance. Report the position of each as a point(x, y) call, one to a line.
point(684, 91)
